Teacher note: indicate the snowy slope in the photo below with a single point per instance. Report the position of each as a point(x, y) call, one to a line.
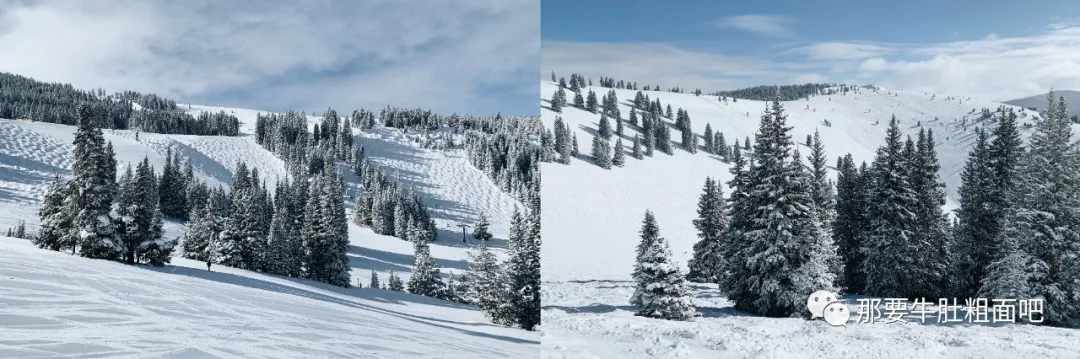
point(456, 193)
point(54, 304)
point(592, 217)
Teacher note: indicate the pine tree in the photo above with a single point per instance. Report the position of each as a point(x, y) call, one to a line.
point(601, 152)
point(92, 191)
point(395, 283)
point(618, 159)
point(931, 225)
point(579, 101)
point(710, 141)
point(55, 229)
point(487, 285)
point(523, 270)
point(604, 128)
point(711, 225)
point(889, 247)
point(424, 276)
point(823, 197)
point(1046, 212)
point(140, 223)
point(850, 223)
point(636, 152)
point(661, 288)
point(374, 280)
point(783, 253)
point(590, 103)
point(574, 146)
point(633, 118)
point(480, 229)
point(556, 102)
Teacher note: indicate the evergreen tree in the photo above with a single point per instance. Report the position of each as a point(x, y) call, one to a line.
point(633, 118)
point(711, 225)
point(92, 191)
point(579, 101)
point(850, 223)
point(601, 152)
point(890, 245)
point(374, 280)
point(782, 250)
point(395, 283)
point(523, 270)
point(487, 285)
point(636, 152)
point(590, 103)
point(710, 141)
point(931, 229)
point(604, 128)
point(56, 219)
point(574, 147)
point(140, 223)
point(424, 276)
point(618, 159)
point(480, 229)
point(1045, 218)
point(556, 102)
point(661, 288)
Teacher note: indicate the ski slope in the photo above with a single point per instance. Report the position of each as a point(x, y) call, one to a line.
point(592, 217)
point(332, 322)
point(54, 305)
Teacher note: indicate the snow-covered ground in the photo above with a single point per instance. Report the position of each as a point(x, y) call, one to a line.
point(57, 305)
point(53, 298)
point(592, 216)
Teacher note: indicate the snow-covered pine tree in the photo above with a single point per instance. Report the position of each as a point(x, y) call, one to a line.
point(488, 285)
point(424, 279)
point(711, 225)
point(480, 229)
point(92, 191)
point(931, 224)
point(618, 159)
point(574, 146)
point(140, 223)
point(823, 196)
point(374, 282)
point(590, 103)
point(783, 251)
point(394, 283)
point(1047, 219)
point(721, 147)
point(636, 151)
point(633, 117)
point(579, 101)
point(55, 232)
point(604, 128)
point(661, 288)
point(523, 269)
point(850, 222)
point(710, 140)
point(601, 152)
point(889, 247)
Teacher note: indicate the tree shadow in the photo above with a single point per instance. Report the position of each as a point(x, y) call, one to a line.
point(375, 258)
point(591, 309)
point(378, 295)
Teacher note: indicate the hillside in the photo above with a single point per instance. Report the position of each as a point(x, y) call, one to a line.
point(591, 210)
point(335, 322)
point(1039, 101)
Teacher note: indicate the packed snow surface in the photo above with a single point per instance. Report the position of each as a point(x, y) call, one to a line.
point(62, 305)
point(592, 216)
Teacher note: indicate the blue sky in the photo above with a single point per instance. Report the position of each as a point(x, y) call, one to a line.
point(477, 57)
point(899, 43)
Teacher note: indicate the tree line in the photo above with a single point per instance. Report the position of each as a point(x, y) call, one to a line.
point(24, 97)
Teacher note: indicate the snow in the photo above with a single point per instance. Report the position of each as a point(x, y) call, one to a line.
point(592, 216)
point(200, 308)
point(54, 304)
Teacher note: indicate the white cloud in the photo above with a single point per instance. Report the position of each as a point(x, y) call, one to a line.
point(278, 54)
point(842, 50)
point(654, 64)
point(767, 25)
point(993, 67)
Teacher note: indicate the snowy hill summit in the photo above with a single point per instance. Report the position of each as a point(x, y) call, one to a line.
point(661, 240)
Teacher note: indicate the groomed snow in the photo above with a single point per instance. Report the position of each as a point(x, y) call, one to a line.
point(456, 193)
point(592, 216)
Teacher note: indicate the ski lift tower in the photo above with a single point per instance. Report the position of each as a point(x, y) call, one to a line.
point(463, 228)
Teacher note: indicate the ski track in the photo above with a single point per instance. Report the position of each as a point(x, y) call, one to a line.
point(592, 217)
point(63, 305)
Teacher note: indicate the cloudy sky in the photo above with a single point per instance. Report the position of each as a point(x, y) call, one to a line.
point(999, 50)
point(476, 56)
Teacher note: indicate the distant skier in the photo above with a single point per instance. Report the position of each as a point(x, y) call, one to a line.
point(207, 265)
point(136, 136)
